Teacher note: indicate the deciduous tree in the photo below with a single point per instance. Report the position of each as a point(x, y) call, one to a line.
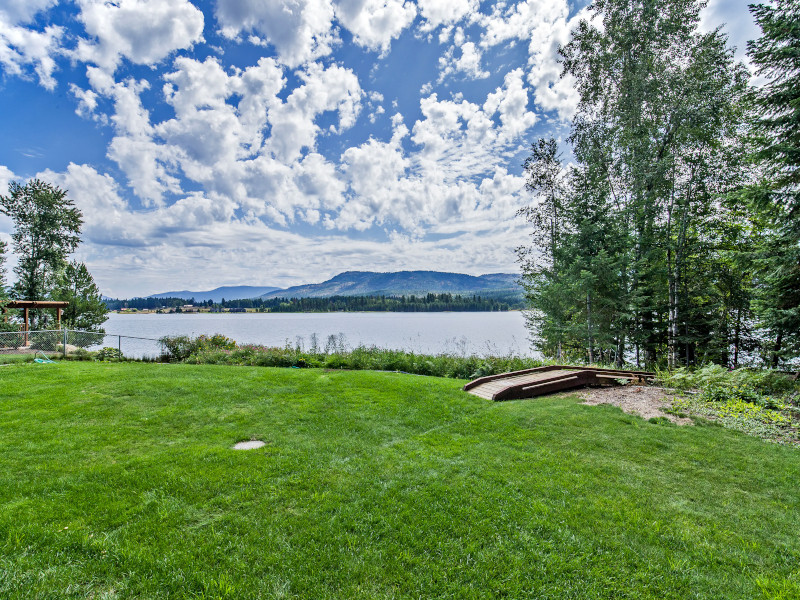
point(47, 229)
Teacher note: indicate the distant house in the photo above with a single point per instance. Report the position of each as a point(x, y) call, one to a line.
point(188, 308)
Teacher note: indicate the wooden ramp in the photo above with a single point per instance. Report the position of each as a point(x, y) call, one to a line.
point(546, 380)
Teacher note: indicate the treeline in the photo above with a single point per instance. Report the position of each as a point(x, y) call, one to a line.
point(672, 234)
point(411, 303)
point(146, 303)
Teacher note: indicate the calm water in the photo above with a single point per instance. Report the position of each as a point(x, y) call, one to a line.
point(431, 333)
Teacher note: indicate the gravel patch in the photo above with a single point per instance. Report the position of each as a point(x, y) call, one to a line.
point(647, 402)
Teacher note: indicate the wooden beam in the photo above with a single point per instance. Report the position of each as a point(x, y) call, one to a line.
point(37, 304)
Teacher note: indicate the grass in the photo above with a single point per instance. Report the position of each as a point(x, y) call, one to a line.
point(117, 480)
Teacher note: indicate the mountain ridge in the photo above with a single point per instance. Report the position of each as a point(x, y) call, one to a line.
point(229, 292)
point(367, 283)
point(397, 283)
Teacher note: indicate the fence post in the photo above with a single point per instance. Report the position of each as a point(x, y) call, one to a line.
point(65, 342)
point(119, 348)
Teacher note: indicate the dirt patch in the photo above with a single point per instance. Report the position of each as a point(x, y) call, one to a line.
point(647, 402)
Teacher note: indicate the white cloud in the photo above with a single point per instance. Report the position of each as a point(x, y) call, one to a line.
point(445, 12)
point(375, 23)
point(145, 162)
point(87, 103)
point(439, 187)
point(375, 172)
point(132, 252)
point(511, 103)
point(142, 31)
point(6, 177)
point(323, 89)
point(469, 63)
point(21, 47)
point(23, 11)
point(300, 30)
point(461, 139)
point(544, 26)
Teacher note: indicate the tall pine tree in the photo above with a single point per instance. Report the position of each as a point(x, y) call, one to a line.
point(777, 196)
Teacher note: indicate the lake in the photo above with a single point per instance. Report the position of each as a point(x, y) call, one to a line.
point(463, 333)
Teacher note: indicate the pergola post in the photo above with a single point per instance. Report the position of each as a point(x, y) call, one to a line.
point(26, 305)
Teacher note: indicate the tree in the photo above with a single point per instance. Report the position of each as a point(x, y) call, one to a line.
point(776, 125)
point(3, 248)
point(46, 230)
point(86, 310)
point(541, 267)
point(4, 326)
point(635, 267)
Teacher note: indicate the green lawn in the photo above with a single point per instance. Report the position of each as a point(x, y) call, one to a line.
point(119, 481)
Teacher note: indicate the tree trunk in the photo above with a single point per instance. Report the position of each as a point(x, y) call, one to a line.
point(777, 349)
point(736, 335)
point(589, 325)
point(672, 324)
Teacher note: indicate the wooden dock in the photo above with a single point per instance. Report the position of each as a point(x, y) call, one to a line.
point(546, 380)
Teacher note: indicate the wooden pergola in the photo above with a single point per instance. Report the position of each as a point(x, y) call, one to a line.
point(26, 305)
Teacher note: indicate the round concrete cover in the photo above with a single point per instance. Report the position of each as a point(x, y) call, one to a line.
point(250, 445)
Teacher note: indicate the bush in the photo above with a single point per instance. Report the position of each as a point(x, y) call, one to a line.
point(220, 350)
point(181, 347)
point(108, 354)
point(748, 384)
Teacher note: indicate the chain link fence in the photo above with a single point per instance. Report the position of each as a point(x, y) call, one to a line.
point(75, 342)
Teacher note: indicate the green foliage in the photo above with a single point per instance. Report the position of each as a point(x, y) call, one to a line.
point(776, 193)
point(86, 310)
point(46, 230)
point(641, 248)
point(756, 402)
point(181, 347)
point(217, 349)
point(3, 250)
point(764, 382)
point(108, 354)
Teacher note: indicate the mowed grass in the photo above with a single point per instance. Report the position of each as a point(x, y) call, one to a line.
point(119, 481)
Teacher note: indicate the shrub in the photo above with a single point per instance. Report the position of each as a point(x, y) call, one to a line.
point(218, 349)
point(181, 347)
point(108, 353)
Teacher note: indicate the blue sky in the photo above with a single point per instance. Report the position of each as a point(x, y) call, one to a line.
point(276, 142)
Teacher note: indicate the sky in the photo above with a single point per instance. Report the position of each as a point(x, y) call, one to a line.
point(280, 142)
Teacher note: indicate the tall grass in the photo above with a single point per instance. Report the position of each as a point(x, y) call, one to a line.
point(364, 358)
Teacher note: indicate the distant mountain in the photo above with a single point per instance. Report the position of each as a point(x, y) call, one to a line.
point(367, 283)
point(231, 292)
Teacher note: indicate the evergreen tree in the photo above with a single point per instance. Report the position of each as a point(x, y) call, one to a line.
point(86, 310)
point(3, 249)
point(777, 196)
point(4, 325)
